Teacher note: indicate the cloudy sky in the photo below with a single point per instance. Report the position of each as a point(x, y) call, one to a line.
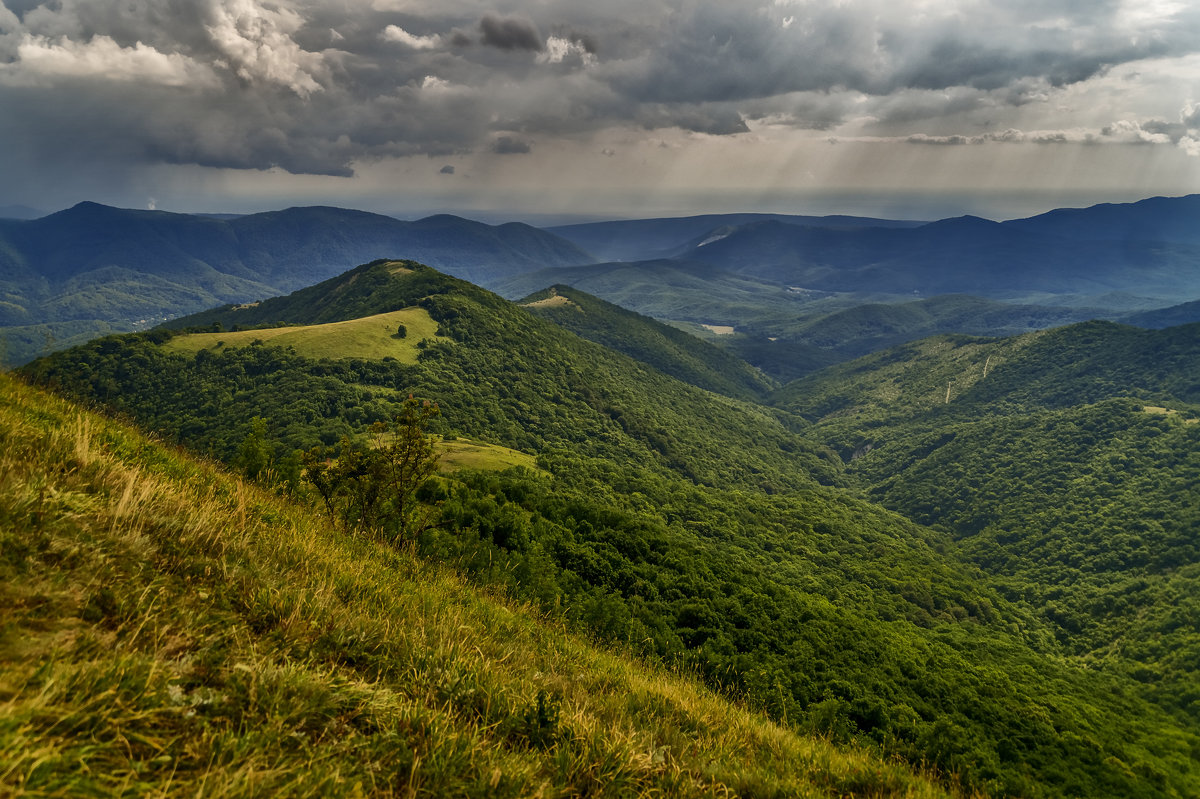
point(916, 108)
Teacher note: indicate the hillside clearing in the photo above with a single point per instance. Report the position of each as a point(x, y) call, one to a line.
point(371, 337)
point(465, 454)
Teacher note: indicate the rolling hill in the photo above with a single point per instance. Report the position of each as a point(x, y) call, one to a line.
point(667, 349)
point(1064, 463)
point(1182, 314)
point(685, 526)
point(109, 268)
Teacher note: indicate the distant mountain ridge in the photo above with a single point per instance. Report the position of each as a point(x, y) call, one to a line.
point(71, 275)
point(647, 239)
point(1153, 219)
point(293, 248)
point(962, 255)
point(109, 267)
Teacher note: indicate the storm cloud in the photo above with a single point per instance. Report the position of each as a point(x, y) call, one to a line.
point(510, 34)
point(322, 87)
point(506, 145)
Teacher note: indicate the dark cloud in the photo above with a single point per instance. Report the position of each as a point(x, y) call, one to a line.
point(717, 52)
point(921, 138)
point(584, 40)
point(510, 33)
point(446, 170)
point(711, 119)
point(506, 145)
point(102, 86)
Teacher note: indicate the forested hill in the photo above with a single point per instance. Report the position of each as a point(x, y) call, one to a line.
point(666, 348)
point(514, 378)
point(1068, 471)
point(1067, 366)
point(684, 525)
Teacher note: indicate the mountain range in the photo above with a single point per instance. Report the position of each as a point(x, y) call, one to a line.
point(969, 553)
point(780, 282)
point(92, 268)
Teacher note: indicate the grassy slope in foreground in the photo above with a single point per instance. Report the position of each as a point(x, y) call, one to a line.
point(167, 629)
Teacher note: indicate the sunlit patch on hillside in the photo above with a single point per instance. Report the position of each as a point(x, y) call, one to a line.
point(396, 334)
point(1169, 412)
point(465, 454)
point(553, 300)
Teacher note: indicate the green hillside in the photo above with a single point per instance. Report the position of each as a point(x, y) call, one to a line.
point(168, 630)
point(1069, 473)
point(667, 349)
point(788, 331)
point(688, 527)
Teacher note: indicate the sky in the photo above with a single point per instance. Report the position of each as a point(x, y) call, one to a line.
point(559, 109)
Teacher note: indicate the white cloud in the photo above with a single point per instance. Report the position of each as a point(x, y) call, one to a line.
point(394, 33)
point(257, 42)
point(1131, 132)
point(559, 49)
point(1190, 146)
point(101, 58)
point(1190, 115)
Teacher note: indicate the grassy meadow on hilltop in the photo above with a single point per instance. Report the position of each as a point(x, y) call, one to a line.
point(396, 334)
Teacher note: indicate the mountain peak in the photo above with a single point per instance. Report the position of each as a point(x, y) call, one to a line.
point(964, 221)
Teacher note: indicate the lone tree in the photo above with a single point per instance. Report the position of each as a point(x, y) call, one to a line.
point(373, 487)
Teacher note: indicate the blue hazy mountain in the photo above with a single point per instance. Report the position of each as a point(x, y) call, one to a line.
point(92, 268)
point(648, 239)
point(1172, 219)
point(961, 255)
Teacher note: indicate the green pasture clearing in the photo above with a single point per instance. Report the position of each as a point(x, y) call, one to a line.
point(371, 337)
point(554, 300)
point(465, 454)
point(1161, 411)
